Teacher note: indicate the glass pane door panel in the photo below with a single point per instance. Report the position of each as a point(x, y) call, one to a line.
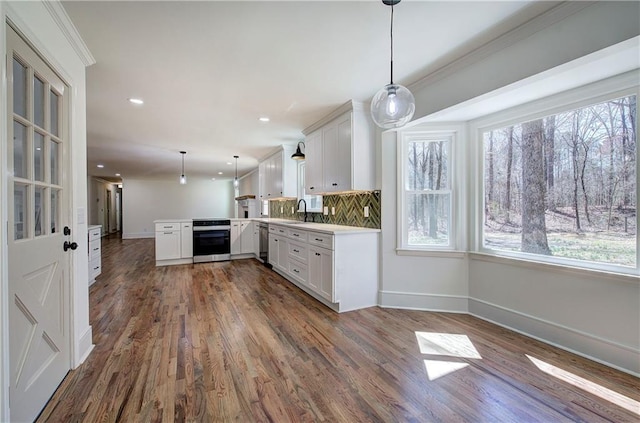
point(38, 208)
point(20, 215)
point(20, 151)
point(38, 156)
point(19, 89)
point(55, 101)
point(55, 207)
point(38, 102)
point(55, 163)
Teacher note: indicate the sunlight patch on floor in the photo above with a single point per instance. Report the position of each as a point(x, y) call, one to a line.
point(587, 385)
point(436, 368)
point(445, 344)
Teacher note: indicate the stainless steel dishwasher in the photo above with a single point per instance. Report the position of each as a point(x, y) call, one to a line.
point(264, 243)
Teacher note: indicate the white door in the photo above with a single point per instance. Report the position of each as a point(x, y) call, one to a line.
point(39, 281)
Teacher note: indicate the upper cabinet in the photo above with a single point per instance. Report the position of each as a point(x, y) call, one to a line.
point(278, 175)
point(340, 153)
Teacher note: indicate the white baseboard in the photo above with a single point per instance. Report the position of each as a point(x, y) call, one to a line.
point(85, 346)
point(137, 235)
point(424, 302)
point(609, 353)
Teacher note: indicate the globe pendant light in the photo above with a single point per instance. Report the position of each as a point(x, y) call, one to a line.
point(183, 179)
point(393, 106)
point(235, 180)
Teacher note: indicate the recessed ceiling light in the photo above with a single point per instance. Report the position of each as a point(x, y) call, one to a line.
point(229, 163)
point(100, 166)
point(117, 174)
point(136, 101)
point(213, 179)
point(264, 119)
point(219, 173)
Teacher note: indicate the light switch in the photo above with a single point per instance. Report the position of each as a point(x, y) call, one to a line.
point(292, 210)
point(366, 211)
point(333, 211)
point(326, 210)
point(281, 209)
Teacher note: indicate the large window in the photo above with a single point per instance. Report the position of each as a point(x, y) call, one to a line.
point(564, 186)
point(425, 161)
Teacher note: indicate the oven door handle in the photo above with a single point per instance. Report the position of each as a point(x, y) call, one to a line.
point(211, 228)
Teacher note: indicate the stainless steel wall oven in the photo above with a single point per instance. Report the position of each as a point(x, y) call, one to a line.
point(211, 240)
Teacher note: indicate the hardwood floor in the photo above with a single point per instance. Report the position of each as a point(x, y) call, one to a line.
point(233, 341)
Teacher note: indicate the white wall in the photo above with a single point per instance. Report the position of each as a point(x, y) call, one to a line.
point(144, 201)
point(590, 313)
point(96, 204)
point(40, 23)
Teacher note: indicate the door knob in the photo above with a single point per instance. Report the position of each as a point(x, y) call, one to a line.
point(69, 245)
point(66, 231)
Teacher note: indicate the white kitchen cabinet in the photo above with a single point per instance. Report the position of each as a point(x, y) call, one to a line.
point(340, 151)
point(278, 175)
point(256, 239)
point(321, 277)
point(186, 240)
point(172, 237)
point(241, 237)
point(95, 252)
point(339, 268)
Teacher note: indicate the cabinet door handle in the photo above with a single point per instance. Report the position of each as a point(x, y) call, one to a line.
point(312, 187)
point(296, 270)
point(296, 234)
point(96, 249)
point(317, 254)
point(296, 251)
point(319, 239)
point(275, 240)
point(168, 233)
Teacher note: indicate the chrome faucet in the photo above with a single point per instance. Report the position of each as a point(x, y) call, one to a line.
point(305, 207)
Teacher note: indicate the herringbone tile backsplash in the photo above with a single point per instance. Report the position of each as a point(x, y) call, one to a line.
point(349, 210)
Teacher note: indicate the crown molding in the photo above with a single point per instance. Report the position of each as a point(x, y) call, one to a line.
point(509, 38)
point(349, 106)
point(69, 30)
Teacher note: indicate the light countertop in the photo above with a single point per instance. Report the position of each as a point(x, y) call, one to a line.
point(317, 227)
point(173, 221)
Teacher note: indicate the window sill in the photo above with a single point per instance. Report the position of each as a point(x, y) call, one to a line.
point(431, 253)
point(554, 267)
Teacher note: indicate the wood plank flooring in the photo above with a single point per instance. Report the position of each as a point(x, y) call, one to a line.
point(233, 341)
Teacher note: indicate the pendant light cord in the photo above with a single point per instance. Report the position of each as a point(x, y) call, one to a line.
point(391, 43)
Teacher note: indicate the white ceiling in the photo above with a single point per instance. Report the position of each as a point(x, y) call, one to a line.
point(208, 70)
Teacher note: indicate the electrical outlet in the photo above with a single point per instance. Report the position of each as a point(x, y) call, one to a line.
point(366, 211)
point(292, 210)
point(333, 211)
point(281, 209)
point(326, 210)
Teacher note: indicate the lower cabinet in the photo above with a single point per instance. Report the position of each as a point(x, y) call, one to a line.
point(340, 269)
point(174, 242)
point(321, 277)
point(95, 252)
point(242, 237)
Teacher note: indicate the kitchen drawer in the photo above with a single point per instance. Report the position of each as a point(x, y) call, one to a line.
point(321, 239)
point(95, 234)
point(273, 229)
point(169, 226)
point(297, 235)
point(95, 267)
point(298, 271)
point(94, 249)
point(298, 251)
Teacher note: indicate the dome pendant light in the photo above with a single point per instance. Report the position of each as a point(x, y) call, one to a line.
point(393, 106)
point(298, 155)
point(235, 180)
point(183, 179)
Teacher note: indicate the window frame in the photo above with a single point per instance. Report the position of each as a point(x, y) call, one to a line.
point(597, 92)
point(454, 133)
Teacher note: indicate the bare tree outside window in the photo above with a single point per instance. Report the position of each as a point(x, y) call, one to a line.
point(565, 185)
point(427, 192)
